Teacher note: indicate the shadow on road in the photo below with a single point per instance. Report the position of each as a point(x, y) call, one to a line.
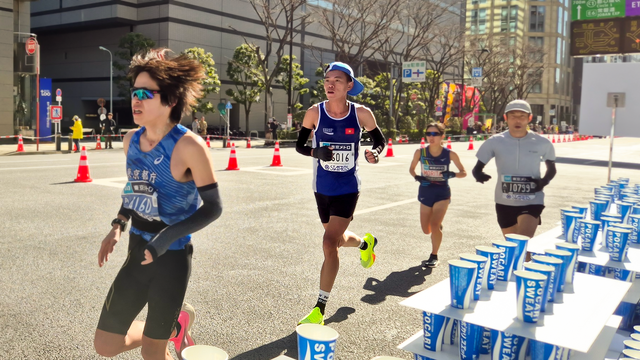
point(66, 182)
point(602, 163)
point(288, 345)
point(398, 283)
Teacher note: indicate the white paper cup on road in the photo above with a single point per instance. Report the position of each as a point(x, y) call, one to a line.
point(204, 352)
point(316, 342)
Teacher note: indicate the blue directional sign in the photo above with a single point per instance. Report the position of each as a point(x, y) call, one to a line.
point(476, 72)
point(228, 106)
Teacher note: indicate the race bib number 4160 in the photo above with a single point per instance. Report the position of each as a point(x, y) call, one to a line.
point(343, 158)
point(141, 197)
point(518, 187)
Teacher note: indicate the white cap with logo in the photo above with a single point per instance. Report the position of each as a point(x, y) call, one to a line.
point(519, 105)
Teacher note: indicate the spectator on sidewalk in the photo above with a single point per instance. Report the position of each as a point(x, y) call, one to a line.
point(77, 131)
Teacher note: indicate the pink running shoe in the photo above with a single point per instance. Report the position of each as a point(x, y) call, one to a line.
point(183, 339)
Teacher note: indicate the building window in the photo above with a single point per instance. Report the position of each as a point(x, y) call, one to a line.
point(558, 50)
point(536, 19)
point(537, 48)
point(478, 21)
point(537, 88)
point(509, 19)
point(537, 110)
point(537, 41)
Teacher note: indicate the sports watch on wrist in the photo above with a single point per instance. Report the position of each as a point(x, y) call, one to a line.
point(122, 223)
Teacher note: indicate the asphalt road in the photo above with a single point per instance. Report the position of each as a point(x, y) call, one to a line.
point(256, 269)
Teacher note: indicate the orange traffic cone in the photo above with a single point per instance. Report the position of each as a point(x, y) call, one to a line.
point(422, 144)
point(83, 168)
point(449, 143)
point(20, 144)
point(208, 142)
point(564, 138)
point(98, 144)
point(389, 149)
point(75, 148)
point(248, 143)
point(233, 160)
point(276, 155)
point(470, 143)
point(553, 141)
point(228, 143)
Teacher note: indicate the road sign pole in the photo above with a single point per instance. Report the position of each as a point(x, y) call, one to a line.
point(613, 127)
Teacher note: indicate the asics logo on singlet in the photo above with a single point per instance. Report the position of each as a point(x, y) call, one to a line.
point(328, 131)
point(158, 160)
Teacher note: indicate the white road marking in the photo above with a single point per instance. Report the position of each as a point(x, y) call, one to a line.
point(277, 170)
point(387, 206)
point(58, 166)
point(23, 161)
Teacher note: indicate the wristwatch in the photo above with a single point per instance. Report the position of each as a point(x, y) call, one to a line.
point(122, 223)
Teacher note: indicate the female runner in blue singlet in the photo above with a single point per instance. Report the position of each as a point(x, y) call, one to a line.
point(171, 193)
point(434, 193)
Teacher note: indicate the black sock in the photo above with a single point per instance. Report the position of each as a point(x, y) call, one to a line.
point(433, 256)
point(363, 245)
point(323, 297)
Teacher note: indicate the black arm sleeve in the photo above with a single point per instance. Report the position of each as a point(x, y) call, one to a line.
point(477, 170)
point(551, 170)
point(378, 139)
point(301, 144)
point(209, 211)
point(124, 211)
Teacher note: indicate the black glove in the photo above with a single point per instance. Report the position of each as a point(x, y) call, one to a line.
point(448, 175)
point(323, 153)
point(422, 179)
point(375, 155)
point(540, 184)
point(481, 177)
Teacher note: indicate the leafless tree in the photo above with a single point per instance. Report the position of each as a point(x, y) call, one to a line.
point(281, 20)
point(358, 28)
point(527, 68)
point(443, 53)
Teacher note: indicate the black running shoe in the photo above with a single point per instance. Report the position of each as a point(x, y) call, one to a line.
point(431, 263)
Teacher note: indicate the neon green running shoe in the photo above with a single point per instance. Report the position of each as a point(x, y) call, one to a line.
point(314, 317)
point(368, 257)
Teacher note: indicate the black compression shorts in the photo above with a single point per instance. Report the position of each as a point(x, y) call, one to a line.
point(162, 284)
point(508, 215)
point(339, 205)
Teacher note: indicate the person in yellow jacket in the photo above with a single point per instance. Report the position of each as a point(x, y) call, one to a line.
point(77, 131)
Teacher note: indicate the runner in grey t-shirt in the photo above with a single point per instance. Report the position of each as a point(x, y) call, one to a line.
point(518, 153)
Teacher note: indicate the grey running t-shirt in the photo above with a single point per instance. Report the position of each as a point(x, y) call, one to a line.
point(518, 161)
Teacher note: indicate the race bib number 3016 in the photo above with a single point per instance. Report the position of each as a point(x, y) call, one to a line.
point(518, 187)
point(343, 158)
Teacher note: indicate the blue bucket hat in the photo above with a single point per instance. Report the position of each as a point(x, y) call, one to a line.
point(357, 85)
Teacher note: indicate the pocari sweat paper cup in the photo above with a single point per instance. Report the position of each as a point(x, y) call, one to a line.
point(557, 265)
point(596, 208)
point(563, 219)
point(606, 222)
point(507, 346)
point(635, 210)
point(624, 275)
point(485, 341)
point(491, 270)
point(450, 331)
point(634, 222)
point(617, 243)
point(631, 344)
point(521, 250)
point(582, 209)
point(543, 351)
point(547, 271)
point(588, 233)
point(571, 226)
point(462, 279)
point(433, 326)
point(507, 257)
point(530, 290)
point(316, 342)
point(565, 256)
point(631, 354)
point(573, 262)
point(470, 336)
point(481, 262)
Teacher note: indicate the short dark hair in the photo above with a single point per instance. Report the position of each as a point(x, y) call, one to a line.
point(109, 114)
point(437, 125)
point(177, 77)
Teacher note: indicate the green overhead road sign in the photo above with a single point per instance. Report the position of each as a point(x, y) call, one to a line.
point(597, 9)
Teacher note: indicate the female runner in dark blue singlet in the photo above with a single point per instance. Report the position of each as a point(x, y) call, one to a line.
point(434, 193)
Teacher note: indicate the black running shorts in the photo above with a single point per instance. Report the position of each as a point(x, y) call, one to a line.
point(162, 284)
point(508, 215)
point(339, 205)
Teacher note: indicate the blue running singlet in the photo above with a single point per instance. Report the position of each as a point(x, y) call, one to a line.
point(433, 166)
point(152, 192)
point(340, 175)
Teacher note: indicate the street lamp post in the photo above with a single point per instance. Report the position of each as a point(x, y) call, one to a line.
point(110, 79)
